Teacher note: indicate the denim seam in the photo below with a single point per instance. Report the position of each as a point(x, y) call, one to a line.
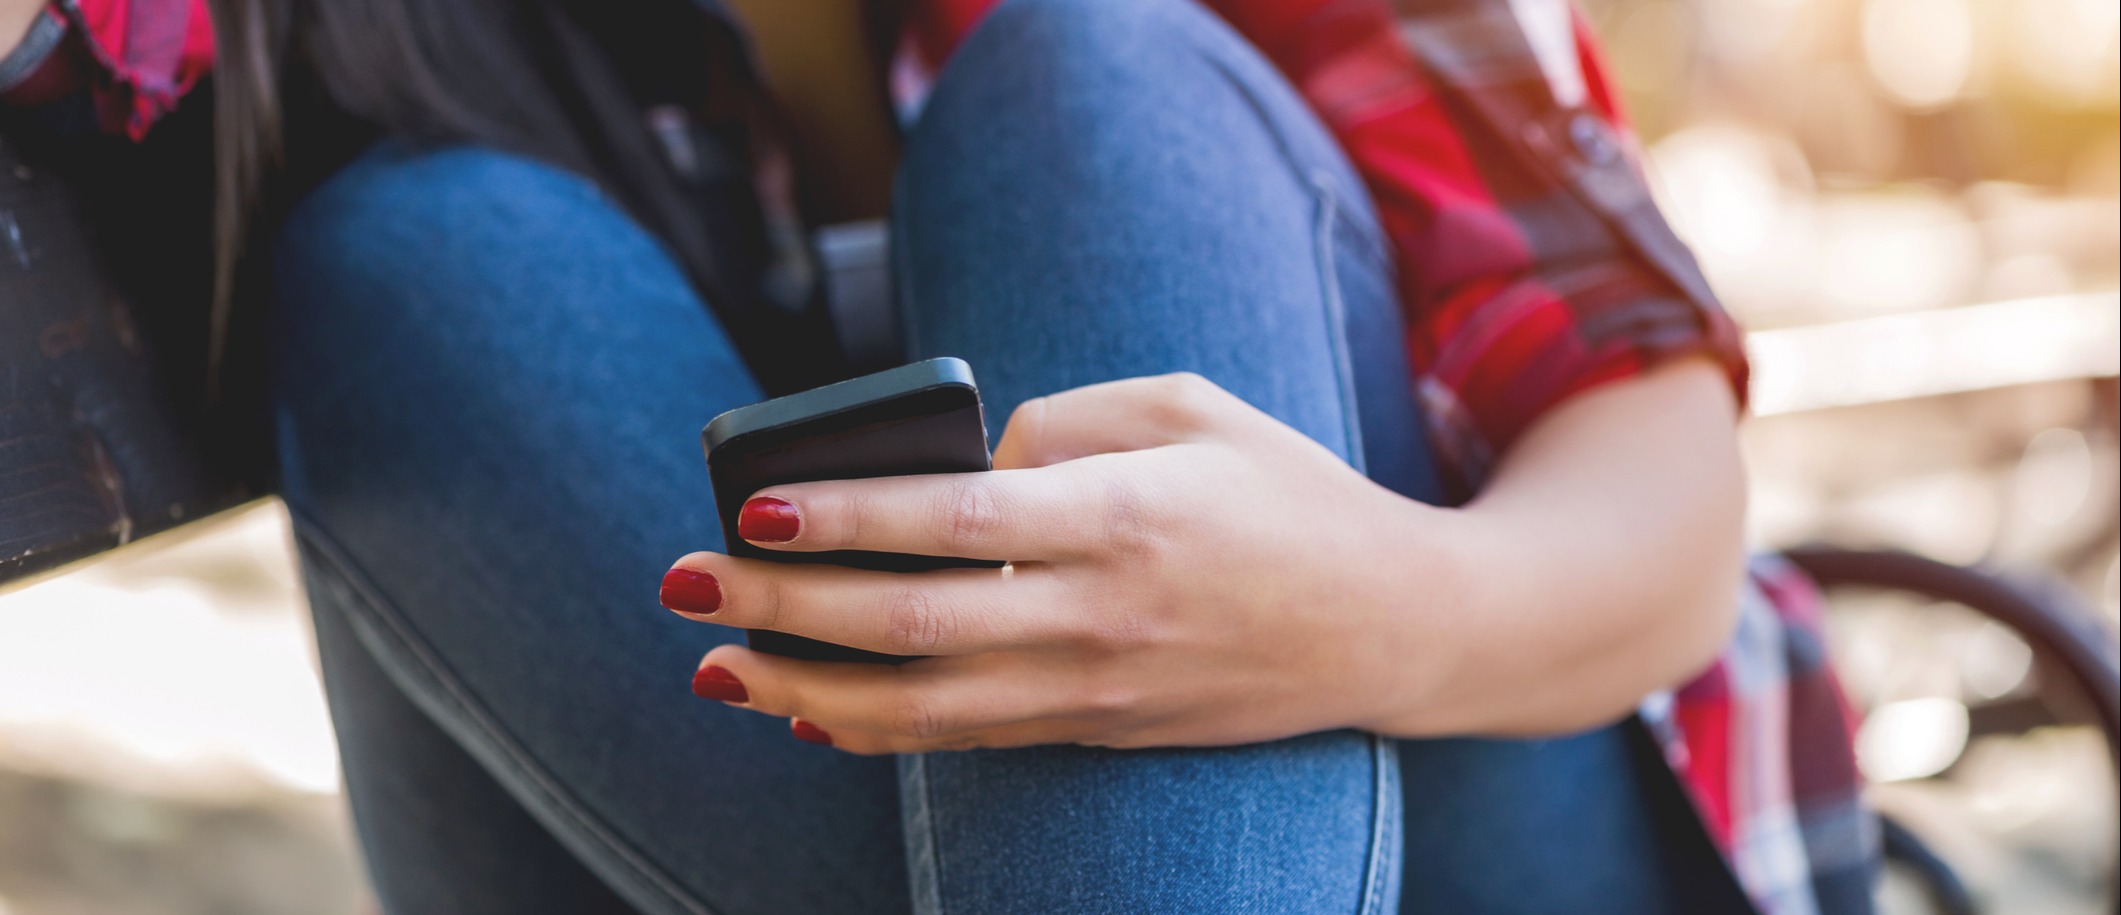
point(646, 881)
point(1369, 231)
point(1371, 248)
point(1337, 319)
point(1375, 865)
point(1323, 183)
point(924, 854)
point(1329, 214)
point(1383, 825)
point(924, 860)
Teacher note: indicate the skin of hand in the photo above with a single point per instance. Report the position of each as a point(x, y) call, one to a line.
point(15, 19)
point(1185, 570)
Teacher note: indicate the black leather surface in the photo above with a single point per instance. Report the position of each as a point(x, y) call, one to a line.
point(98, 444)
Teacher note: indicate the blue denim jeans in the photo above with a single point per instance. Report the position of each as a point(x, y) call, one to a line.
point(490, 385)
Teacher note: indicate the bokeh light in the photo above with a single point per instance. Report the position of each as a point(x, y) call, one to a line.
point(1912, 738)
point(1920, 51)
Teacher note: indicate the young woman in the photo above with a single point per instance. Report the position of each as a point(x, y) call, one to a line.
point(1241, 660)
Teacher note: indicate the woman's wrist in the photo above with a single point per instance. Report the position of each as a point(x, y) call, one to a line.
point(1600, 564)
point(1435, 571)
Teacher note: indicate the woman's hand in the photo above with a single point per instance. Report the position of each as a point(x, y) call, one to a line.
point(1184, 570)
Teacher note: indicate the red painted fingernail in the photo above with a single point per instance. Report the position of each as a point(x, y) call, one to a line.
point(687, 591)
point(809, 733)
point(713, 682)
point(768, 520)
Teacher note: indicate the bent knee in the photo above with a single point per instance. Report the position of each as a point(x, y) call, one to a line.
point(1089, 72)
point(401, 214)
point(1087, 43)
point(1092, 23)
point(409, 242)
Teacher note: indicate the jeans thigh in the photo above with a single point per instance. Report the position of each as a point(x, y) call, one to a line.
point(1101, 190)
point(1592, 823)
point(421, 798)
point(489, 389)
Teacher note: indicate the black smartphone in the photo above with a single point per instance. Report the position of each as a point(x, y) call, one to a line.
point(915, 419)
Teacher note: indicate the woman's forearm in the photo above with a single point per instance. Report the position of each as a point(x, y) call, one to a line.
point(1600, 564)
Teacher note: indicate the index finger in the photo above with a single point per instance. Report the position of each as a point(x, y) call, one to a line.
point(1007, 515)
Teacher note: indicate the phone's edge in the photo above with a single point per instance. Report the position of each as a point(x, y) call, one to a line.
point(829, 400)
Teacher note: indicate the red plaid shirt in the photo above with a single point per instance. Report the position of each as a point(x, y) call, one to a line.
point(1532, 266)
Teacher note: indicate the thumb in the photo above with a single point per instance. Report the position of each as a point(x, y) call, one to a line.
point(1127, 415)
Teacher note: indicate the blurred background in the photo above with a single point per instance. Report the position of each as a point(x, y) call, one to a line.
point(1912, 204)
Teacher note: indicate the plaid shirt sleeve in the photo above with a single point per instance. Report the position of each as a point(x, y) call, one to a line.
point(1763, 742)
point(1532, 264)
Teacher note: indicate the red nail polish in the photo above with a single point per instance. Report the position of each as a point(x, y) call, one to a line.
point(687, 591)
point(809, 733)
point(768, 520)
point(713, 682)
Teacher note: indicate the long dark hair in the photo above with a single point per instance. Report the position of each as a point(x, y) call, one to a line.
point(302, 85)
